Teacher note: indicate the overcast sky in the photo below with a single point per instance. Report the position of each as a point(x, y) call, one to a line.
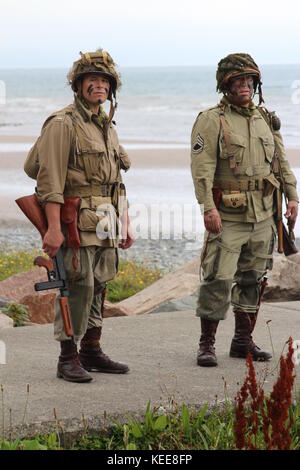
point(35, 33)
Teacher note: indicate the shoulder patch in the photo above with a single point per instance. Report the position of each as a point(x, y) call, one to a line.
point(198, 144)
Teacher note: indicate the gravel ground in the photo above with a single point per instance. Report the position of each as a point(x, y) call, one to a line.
point(161, 254)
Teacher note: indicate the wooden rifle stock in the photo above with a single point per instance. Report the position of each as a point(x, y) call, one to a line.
point(66, 316)
point(289, 247)
point(30, 206)
point(279, 224)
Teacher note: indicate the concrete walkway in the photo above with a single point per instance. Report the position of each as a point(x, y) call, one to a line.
point(161, 352)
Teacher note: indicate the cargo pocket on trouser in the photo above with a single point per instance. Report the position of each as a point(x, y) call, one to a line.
point(210, 256)
point(80, 293)
point(105, 269)
point(214, 293)
point(252, 268)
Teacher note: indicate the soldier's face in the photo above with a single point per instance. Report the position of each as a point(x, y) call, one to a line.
point(95, 88)
point(241, 90)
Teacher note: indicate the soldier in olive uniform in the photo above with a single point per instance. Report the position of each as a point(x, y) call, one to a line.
point(79, 155)
point(232, 150)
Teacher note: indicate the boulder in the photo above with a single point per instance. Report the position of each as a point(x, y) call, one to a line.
point(20, 289)
point(178, 285)
point(172, 291)
point(4, 301)
point(113, 310)
point(284, 279)
point(181, 282)
point(5, 321)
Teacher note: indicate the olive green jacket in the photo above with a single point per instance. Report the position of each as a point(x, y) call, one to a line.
point(62, 148)
point(252, 144)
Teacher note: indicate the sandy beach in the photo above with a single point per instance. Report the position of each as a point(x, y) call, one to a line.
point(170, 158)
point(141, 158)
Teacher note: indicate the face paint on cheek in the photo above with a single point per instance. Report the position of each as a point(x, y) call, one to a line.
point(90, 89)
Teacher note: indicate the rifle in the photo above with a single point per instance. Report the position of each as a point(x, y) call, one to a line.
point(278, 219)
point(30, 206)
point(286, 238)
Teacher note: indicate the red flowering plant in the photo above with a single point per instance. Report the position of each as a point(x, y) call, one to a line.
point(265, 422)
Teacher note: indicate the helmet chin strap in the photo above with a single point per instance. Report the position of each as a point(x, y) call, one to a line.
point(113, 107)
point(261, 99)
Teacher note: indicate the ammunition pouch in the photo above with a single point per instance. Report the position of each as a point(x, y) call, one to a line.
point(97, 201)
point(94, 210)
point(234, 202)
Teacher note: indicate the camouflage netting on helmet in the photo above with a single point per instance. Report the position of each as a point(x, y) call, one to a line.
point(100, 62)
point(235, 65)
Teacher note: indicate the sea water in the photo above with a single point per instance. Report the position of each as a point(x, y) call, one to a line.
point(155, 104)
point(157, 107)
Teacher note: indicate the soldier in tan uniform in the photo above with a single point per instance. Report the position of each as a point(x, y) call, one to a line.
point(232, 150)
point(79, 155)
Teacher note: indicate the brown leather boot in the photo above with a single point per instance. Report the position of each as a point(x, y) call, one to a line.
point(242, 342)
point(206, 356)
point(69, 367)
point(93, 358)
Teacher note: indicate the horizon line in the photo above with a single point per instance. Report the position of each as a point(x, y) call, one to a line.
point(139, 66)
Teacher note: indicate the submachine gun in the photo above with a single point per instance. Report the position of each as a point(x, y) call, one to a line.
point(30, 206)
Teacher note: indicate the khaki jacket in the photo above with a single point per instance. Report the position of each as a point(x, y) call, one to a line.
point(252, 144)
point(76, 151)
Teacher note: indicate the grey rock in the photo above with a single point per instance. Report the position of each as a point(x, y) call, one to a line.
point(4, 302)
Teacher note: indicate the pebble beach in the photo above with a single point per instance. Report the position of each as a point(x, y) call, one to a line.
point(16, 233)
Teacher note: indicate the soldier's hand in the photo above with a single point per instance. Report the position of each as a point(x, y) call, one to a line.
point(212, 221)
point(292, 213)
point(126, 232)
point(52, 241)
point(128, 239)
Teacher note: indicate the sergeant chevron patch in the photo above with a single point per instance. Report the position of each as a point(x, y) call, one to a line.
point(198, 144)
